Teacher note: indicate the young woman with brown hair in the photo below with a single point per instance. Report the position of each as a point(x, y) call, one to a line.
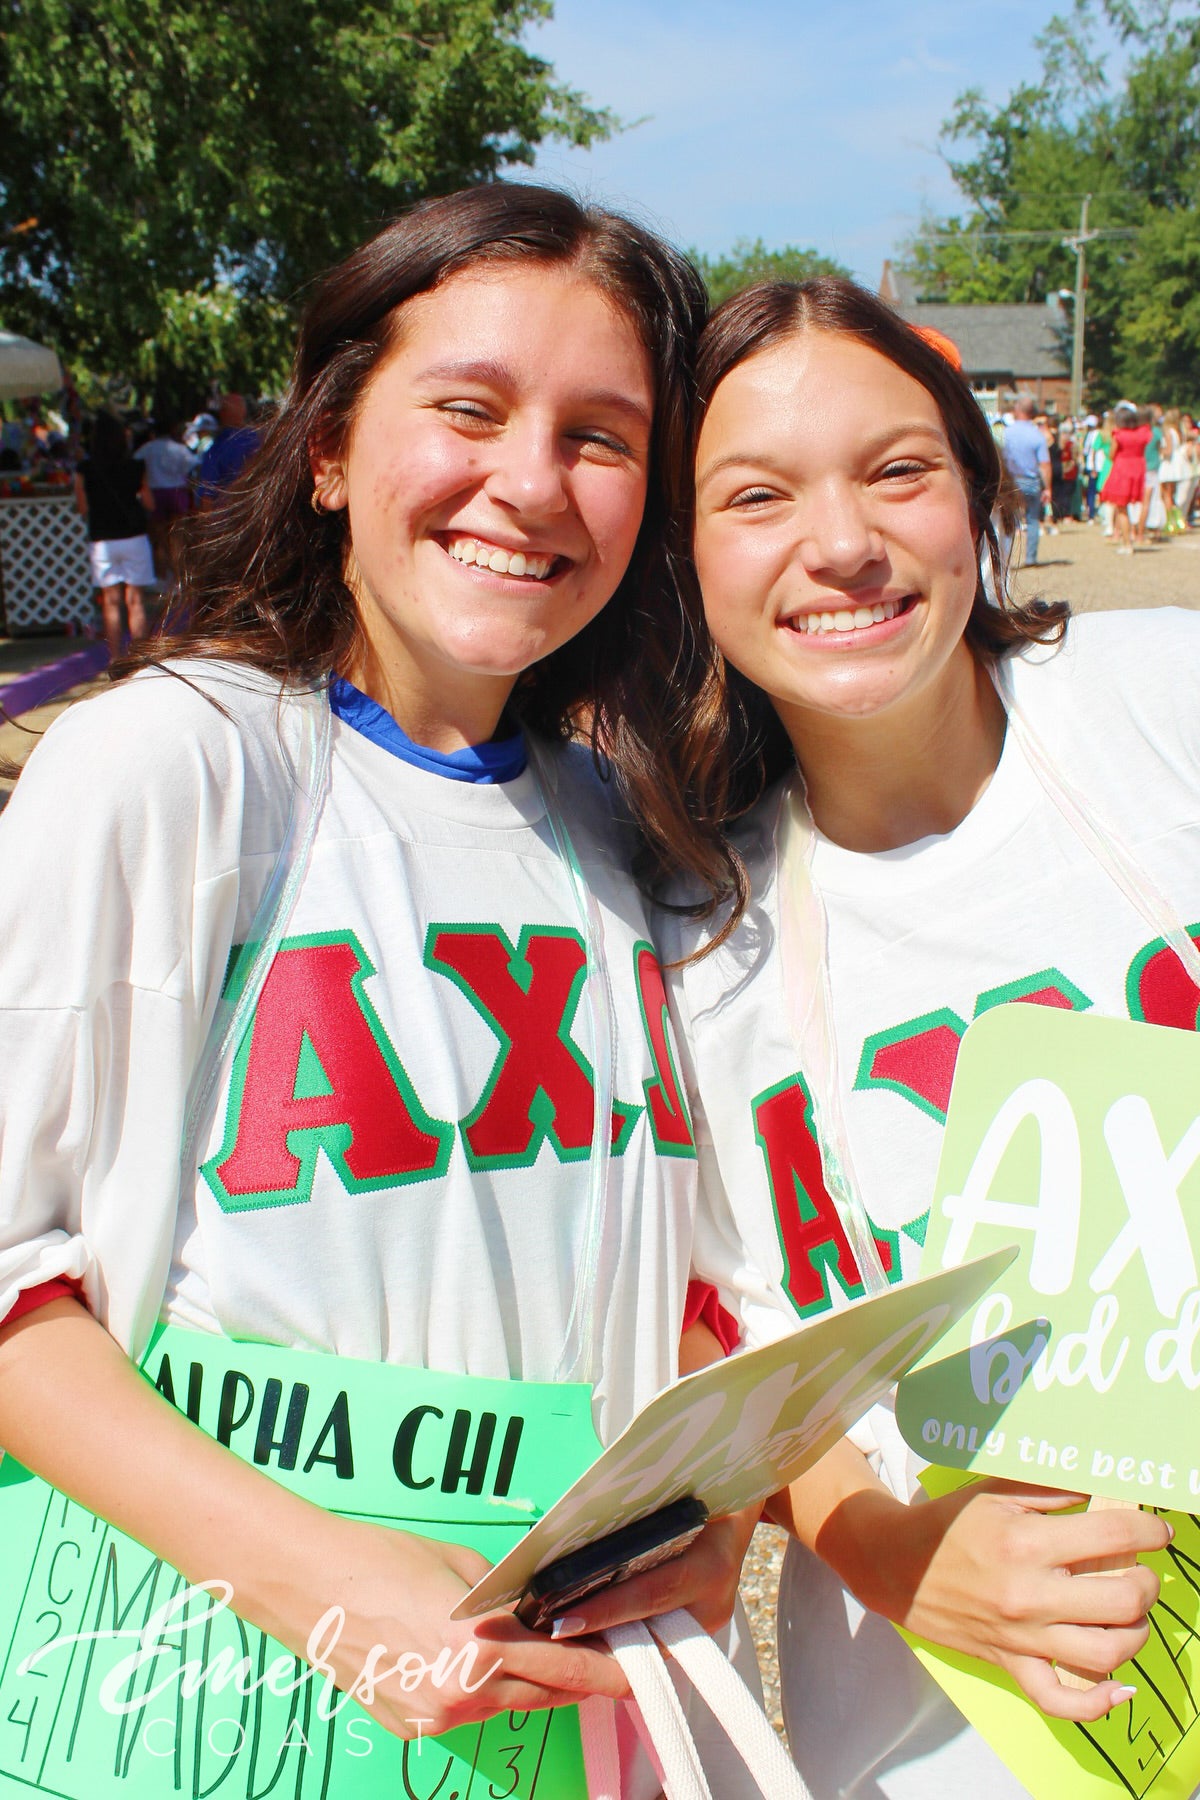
point(458, 538)
point(953, 804)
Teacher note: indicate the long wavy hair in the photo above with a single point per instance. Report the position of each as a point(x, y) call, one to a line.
point(728, 740)
point(262, 574)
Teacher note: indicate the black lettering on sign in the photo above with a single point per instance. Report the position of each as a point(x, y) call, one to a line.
point(402, 1448)
point(288, 1446)
point(508, 1454)
point(226, 1423)
point(336, 1426)
point(455, 1469)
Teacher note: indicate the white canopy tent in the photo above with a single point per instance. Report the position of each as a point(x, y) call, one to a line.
point(27, 368)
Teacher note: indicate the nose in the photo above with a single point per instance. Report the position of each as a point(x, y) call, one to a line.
point(529, 475)
point(840, 535)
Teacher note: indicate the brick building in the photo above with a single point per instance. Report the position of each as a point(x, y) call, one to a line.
point(1005, 349)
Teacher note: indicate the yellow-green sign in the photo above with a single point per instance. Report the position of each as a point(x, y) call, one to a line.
point(1146, 1748)
point(1077, 1139)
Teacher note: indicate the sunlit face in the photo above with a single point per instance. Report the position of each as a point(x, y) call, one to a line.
point(495, 477)
point(833, 536)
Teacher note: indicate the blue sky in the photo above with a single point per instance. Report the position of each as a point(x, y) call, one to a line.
point(812, 122)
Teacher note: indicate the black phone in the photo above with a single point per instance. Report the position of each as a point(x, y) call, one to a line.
point(631, 1550)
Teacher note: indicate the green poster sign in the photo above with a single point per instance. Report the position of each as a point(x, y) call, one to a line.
point(118, 1681)
point(1077, 1139)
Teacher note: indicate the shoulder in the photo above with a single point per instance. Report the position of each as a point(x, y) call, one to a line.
point(1119, 672)
point(590, 801)
point(174, 747)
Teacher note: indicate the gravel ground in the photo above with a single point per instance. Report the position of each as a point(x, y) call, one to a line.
point(1081, 566)
point(760, 1589)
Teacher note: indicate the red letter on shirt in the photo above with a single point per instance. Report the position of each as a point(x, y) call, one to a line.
point(318, 1071)
point(811, 1234)
point(541, 1084)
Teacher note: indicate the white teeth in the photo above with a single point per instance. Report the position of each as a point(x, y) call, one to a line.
point(816, 624)
point(501, 562)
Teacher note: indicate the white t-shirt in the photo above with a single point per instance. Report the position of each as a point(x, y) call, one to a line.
point(168, 464)
point(1009, 906)
point(396, 1167)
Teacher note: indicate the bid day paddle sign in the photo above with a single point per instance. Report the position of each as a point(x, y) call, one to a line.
point(1077, 1138)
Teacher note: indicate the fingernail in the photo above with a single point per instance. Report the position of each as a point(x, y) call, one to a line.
point(570, 1625)
point(1170, 1531)
point(1121, 1694)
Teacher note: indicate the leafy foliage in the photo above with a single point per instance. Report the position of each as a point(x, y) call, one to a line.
point(191, 167)
point(1134, 147)
point(749, 262)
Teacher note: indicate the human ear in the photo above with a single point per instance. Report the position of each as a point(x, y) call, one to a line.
point(330, 492)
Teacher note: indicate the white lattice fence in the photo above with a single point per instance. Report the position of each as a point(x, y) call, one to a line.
point(44, 563)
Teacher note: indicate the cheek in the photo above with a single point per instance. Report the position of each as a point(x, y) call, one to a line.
point(611, 503)
point(739, 573)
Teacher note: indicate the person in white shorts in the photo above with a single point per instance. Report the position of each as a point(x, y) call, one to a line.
point(111, 492)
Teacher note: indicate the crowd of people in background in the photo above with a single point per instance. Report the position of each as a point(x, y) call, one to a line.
point(1134, 470)
point(135, 480)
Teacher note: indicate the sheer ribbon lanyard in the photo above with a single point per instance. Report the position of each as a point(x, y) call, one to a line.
point(1096, 835)
point(808, 997)
point(579, 1359)
point(307, 782)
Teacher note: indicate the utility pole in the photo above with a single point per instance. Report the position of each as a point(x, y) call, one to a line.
point(1079, 245)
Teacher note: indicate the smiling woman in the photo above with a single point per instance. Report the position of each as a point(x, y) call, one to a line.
point(952, 805)
point(405, 1104)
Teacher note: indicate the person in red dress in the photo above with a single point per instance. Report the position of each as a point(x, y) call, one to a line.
point(1126, 484)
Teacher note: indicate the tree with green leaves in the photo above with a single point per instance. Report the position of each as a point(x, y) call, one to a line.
point(749, 262)
point(175, 173)
point(1133, 146)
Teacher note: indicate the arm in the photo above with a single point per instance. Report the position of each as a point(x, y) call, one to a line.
point(986, 1570)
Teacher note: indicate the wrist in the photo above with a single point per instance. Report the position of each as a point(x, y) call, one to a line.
point(867, 1542)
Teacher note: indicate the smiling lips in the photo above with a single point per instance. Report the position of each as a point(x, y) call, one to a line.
point(530, 565)
point(846, 619)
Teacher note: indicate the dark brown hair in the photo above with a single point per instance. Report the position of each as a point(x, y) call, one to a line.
point(734, 743)
point(262, 575)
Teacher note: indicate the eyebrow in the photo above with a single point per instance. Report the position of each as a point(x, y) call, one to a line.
point(487, 372)
point(870, 445)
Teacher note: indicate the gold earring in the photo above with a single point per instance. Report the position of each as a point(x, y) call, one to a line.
point(317, 501)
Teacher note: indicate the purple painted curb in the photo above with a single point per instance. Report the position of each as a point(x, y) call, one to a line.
point(52, 679)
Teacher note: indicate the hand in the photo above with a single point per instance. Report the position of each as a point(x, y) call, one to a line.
point(992, 1570)
point(382, 1600)
point(704, 1579)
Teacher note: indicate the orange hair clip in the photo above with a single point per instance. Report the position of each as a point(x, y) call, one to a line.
point(937, 340)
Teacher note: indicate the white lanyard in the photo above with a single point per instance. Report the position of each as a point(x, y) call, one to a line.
point(307, 786)
point(804, 942)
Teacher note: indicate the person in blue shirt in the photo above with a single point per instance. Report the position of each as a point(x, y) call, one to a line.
point(229, 452)
point(1027, 459)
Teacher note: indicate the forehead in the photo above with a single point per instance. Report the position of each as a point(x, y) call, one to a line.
point(546, 316)
point(819, 383)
